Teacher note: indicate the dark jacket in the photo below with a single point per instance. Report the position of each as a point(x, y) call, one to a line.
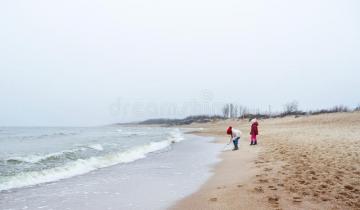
point(254, 129)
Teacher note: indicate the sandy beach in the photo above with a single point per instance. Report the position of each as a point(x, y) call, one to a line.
point(310, 162)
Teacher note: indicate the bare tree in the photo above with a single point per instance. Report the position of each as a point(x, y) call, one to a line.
point(269, 113)
point(226, 110)
point(243, 111)
point(357, 108)
point(340, 108)
point(236, 111)
point(291, 107)
point(230, 110)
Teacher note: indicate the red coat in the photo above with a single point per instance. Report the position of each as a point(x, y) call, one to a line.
point(254, 129)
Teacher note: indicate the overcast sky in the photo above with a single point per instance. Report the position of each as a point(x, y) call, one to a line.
point(88, 62)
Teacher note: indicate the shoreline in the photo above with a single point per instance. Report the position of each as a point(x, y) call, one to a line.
point(300, 163)
point(229, 179)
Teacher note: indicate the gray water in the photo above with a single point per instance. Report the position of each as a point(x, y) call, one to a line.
point(101, 168)
point(31, 156)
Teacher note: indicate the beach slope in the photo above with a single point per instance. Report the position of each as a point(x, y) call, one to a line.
point(310, 162)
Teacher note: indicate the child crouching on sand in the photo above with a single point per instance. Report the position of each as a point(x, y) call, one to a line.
point(254, 131)
point(235, 136)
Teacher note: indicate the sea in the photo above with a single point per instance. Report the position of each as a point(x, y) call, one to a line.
point(109, 167)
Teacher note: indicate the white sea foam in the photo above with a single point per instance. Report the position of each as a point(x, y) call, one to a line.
point(98, 147)
point(176, 135)
point(83, 166)
point(35, 158)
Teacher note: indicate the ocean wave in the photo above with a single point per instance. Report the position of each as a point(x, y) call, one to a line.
point(98, 147)
point(56, 134)
point(83, 166)
point(36, 158)
point(131, 133)
point(44, 136)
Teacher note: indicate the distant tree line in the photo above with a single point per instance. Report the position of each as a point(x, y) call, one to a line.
point(233, 111)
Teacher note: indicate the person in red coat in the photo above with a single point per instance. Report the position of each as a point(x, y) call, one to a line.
point(254, 131)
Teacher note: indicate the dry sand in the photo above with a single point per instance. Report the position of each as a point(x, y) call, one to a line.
point(310, 162)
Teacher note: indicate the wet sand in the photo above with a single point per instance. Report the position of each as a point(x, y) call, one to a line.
point(310, 162)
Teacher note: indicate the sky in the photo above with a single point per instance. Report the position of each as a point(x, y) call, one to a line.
point(95, 62)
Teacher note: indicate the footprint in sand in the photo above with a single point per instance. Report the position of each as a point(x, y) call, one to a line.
point(301, 182)
point(312, 172)
point(349, 187)
point(259, 189)
point(344, 194)
point(356, 204)
point(213, 199)
point(305, 193)
point(323, 186)
point(325, 199)
point(297, 199)
point(272, 187)
point(274, 199)
point(330, 182)
point(356, 191)
point(263, 180)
